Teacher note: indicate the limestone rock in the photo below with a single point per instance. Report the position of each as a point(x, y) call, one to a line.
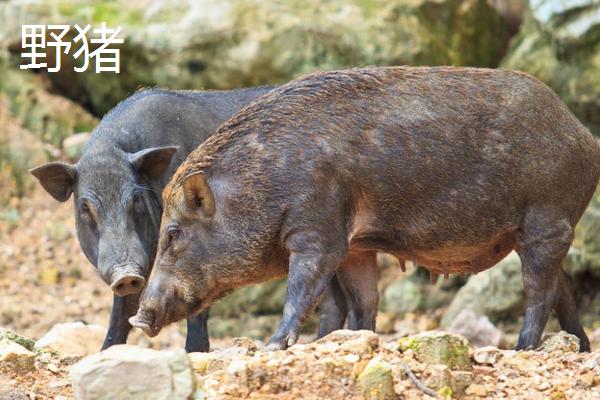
point(436, 347)
point(75, 338)
point(356, 342)
point(17, 357)
point(447, 382)
point(13, 337)
point(131, 372)
point(376, 381)
point(560, 341)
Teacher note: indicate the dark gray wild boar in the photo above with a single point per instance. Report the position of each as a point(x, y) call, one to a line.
point(117, 185)
point(451, 167)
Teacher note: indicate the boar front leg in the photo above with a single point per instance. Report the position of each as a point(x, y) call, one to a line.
point(543, 242)
point(312, 264)
point(119, 327)
point(197, 333)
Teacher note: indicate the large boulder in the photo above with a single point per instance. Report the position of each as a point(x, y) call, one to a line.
point(131, 372)
point(559, 42)
point(232, 43)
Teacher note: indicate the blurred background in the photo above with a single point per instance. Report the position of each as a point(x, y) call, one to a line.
point(223, 44)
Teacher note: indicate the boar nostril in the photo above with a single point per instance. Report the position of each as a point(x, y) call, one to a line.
point(128, 284)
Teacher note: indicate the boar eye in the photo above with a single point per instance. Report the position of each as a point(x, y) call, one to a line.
point(173, 232)
point(86, 212)
point(138, 204)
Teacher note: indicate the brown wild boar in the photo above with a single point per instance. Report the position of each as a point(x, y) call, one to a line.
point(451, 167)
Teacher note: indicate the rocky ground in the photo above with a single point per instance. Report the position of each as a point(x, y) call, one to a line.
point(343, 365)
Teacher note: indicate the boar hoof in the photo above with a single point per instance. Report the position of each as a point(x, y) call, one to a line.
point(282, 343)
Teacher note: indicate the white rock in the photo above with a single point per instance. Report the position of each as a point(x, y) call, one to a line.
point(351, 358)
point(75, 338)
point(590, 364)
point(131, 372)
point(237, 367)
point(487, 355)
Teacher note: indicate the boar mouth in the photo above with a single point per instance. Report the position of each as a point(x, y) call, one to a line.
point(151, 329)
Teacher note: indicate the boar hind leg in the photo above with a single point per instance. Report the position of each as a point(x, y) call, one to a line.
point(119, 327)
point(197, 333)
point(566, 311)
point(332, 310)
point(358, 279)
point(312, 264)
point(543, 242)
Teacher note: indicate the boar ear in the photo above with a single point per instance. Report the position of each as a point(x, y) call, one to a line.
point(198, 194)
point(153, 162)
point(57, 178)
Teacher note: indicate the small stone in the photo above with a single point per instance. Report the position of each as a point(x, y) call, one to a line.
point(460, 380)
point(246, 343)
point(357, 342)
point(288, 360)
point(587, 379)
point(75, 338)
point(237, 367)
point(590, 364)
point(439, 377)
point(376, 381)
point(436, 347)
point(350, 358)
point(52, 368)
point(476, 390)
point(544, 386)
point(561, 341)
point(487, 355)
point(131, 372)
point(327, 348)
point(16, 356)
